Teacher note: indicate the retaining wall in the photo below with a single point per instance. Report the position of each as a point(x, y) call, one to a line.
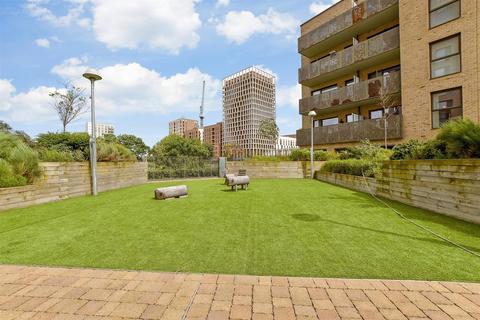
point(70, 179)
point(450, 187)
point(273, 169)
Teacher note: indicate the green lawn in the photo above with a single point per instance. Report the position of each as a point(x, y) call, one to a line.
point(277, 227)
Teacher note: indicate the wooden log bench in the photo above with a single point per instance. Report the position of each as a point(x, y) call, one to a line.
point(171, 192)
point(242, 181)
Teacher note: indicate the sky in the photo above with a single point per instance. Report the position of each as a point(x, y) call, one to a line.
point(153, 56)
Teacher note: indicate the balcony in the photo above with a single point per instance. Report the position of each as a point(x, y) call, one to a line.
point(352, 132)
point(364, 17)
point(374, 51)
point(358, 94)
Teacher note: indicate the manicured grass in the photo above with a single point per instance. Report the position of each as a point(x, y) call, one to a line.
point(277, 227)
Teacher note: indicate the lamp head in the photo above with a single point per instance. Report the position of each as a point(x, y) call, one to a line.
point(92, 74)
point(312, 113)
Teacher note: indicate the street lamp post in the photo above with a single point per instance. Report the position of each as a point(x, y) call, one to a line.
point(92, 76)
point(312, 115)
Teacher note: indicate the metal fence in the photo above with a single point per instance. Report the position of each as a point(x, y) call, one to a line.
point(182, 167)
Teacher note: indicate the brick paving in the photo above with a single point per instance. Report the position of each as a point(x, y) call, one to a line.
point(63, 293)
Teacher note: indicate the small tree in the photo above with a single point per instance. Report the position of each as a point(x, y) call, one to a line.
point(69, 104)
point(268, 130)
point(5, 127)
point(387, 101)
point(134, 144)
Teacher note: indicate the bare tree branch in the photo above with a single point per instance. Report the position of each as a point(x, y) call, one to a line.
point(69, 104)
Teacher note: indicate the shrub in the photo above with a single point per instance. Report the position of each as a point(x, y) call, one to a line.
point(24, 162)
point(365, 150)
point(461, 138)
point(321, 155)
point(21, 159)
point(77, 143)
point(8, 178)
point(269, 158)
point(354, 167)
point(300, 155)
point(113, 152)
point(432, 149)
point(55, 156)
point(405, 151)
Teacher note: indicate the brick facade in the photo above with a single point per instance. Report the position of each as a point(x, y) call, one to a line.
point(413, 60)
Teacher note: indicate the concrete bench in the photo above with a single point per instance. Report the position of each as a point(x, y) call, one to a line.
point(171, 192)
point(242, 181)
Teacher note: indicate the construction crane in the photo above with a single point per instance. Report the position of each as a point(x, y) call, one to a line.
point(202, 117)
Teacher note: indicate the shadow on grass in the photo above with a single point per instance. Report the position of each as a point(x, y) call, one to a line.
point(315, 218)
point(365, 200)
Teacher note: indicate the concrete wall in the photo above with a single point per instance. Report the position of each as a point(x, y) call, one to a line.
point(272, 170)
point(450, 187)
point(70, 179)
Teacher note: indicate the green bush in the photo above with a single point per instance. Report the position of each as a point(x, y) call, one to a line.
point(432, 149)
point(77, 143)
point(461, 138)
point(300, 155)
point(269, 158)
point(113, 152)
point(354, 167)
point(25, 163)
point(8, 178)
point(405, 151)
point(46, 155)
point(19, 162)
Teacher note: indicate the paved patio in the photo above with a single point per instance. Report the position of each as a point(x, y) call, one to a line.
point(62, 293)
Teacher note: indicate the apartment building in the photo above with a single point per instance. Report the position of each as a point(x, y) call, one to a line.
point(248, 98)
point(413, 64)
point(181, 126)
point(213, 135)
point(285, 144)
point(100, 129)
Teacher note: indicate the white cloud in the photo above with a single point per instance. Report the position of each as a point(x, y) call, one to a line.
point(125, 88)
point(222, 3)
point(239, 26)
point(31, 106)
point(70, 69)
point(288, 96)
point(42, 42)
point(154, 24)
point(321, 5)
point(38, 9)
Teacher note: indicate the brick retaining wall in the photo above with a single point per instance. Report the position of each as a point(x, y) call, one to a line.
point(70, 179)
point(450, 187)
point(273, 169)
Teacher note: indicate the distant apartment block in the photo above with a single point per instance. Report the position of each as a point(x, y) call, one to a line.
point(213, 135)
point(181, 126)
point(285, 144)
point(248, 98)
point(100, 129)
point(353, 57)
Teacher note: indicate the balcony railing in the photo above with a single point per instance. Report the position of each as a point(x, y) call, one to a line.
point(354, 95)
point(350, 59)
point(372, 129)
point(366, 15)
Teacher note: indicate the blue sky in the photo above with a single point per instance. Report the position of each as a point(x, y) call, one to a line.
point(153, 55)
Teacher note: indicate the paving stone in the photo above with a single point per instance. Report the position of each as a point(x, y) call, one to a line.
point(87, 294)
point(262, 308)
point(240, 312)
point(129, 310)
point(218, 315)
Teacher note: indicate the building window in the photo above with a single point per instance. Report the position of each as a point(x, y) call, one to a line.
point(443, 11)
point(324, 90)
point(353, 118)
point(445, 57)
point(329, 122)
point(376, 114)
point(446, 105)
